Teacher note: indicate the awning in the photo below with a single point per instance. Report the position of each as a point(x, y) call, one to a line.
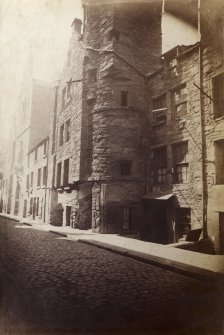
point(157, 196)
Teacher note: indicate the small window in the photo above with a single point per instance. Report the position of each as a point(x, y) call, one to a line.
point(180, 102)
point(125, 168)
point(59, 175)
point(160, 165)
point(180, 161)
point(172, 68)
point(31, 179)
point(66, 172)
point(63, 102)
point(124, 98)
point(219, 162)
point(61, 135)
point(39, 177)
point(67, 131)
point(38, 206)
point(44, 176)
point(27, 182)
point(218, 95)
point(35, 154)
point(113, 35)
point(159, 110)
point(92, 75)
point(45, 148)
point(69, 87)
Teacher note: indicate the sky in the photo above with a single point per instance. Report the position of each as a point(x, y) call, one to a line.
point(41, 29)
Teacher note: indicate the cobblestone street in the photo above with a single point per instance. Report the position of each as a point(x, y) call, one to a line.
point(50, 284)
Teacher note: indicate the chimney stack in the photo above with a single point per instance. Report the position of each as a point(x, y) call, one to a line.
point(77, 24)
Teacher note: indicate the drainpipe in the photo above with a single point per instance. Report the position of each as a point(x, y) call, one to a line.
point(203, 136)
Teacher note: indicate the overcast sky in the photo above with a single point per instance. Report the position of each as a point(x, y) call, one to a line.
point(40, 28)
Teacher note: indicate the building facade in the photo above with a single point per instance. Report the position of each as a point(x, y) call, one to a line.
point(30, 134)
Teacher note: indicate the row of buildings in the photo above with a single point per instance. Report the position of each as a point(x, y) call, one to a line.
point(130, 140)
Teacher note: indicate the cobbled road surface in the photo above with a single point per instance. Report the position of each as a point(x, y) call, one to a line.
point(52, 285)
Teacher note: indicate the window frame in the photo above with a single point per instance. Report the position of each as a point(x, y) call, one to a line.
point(66, 172)
point(61, 134)
point(218, 103)
point(182, 101)
point(160, 111)
point(67, 130)
point(39, 177)
point(58, 177)
point(160, 165)
point(124, 98)
point(180, 168)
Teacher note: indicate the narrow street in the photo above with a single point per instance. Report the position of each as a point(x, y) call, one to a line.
point(52, 285)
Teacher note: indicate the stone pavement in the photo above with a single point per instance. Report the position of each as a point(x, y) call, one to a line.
point(195, 264)
point(52, 285)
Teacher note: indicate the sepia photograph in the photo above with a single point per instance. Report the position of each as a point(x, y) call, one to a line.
point(112, 167)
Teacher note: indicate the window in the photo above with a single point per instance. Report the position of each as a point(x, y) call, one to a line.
point(38, 205)
point(66, 172)
point(92, 74)
point(218, 95)
point(172, 68)
point(27, 182)
point(44, 176)
point(39, 177)
point(61, 135)
point(180, 102)
point(31, 179)
point(113, 35)
point(180, 162)
point(124, 98)
point(69, 86)
point(45, 148)
point(63, 97)
point(59, 175)
point(159, 110)
point(35, 154)
point(125, 168)
point(67, 131)
point(219, 162)
point(160, 165)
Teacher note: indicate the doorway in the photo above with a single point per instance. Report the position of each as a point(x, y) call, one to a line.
point(68, 215)
point(25, 208)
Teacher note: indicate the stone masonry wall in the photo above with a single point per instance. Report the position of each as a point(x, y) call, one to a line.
point(214, 127)
point(173, 131)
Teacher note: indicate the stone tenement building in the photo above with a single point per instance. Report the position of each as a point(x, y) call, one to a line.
point(138, 138)
point(26, 194)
